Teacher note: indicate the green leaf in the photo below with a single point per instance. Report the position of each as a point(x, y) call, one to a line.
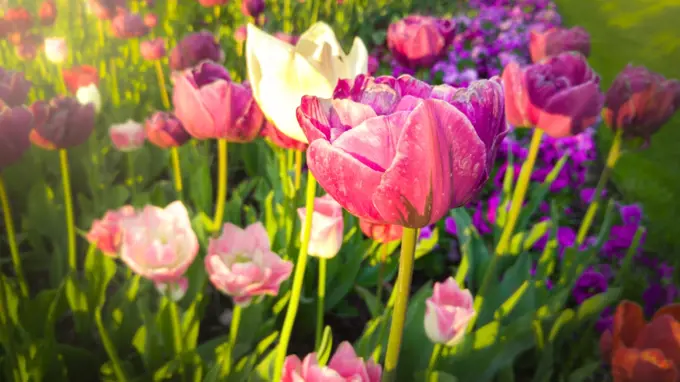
point(325, 347)
point(473, 248)
point(426, 246)
point(523, 241)
point(512, 280)
point(374, 306)
point(585, 372)
point(99, 270)
point(506, 308)
point(565, 318)
point(594, 306)
point(348, 264)
point(538, 194)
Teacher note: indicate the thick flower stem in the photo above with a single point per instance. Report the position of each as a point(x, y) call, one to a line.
point(110, 348)
point(320, 302)
point(298, 169)
point(221, 183)
point(519, 193)
point(176, 322)
point(161, 83)
point(227, 361)
point(176, 170)
point(298, 278)
point(11, 238)
point(381, 271)
point(614, 153)
point(68, 205)
point(436, 352)
point(403, 290)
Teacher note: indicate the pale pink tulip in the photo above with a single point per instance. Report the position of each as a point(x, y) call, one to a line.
point(105, 233)
point(448, 313)
point(159, 243)
point(241, 264)
point(56, 50)
point(327, 227)
point(128, 136)
point(344, 366)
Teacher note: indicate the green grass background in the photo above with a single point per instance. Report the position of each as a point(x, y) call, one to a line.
point(642, 32)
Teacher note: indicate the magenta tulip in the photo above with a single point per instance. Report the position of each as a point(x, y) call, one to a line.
point(399, 151)
point(153, 49)
point(165, 130)
point(210, 105)
point(193, 49)
point(560, 95)
point(418, 40)
point(558, 40)
point(128, 25)
point(15, 125)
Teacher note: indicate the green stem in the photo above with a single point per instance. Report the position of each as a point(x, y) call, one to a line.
point(298, 169)
point(520, 192)
point(320, 302)
point(109, 347)
point(315, 10)
point(381, 271)
point(222, 155)
point(287, 15)
point(614, 153)
point(68, 204)
point(176, 170)
point(436, 352)
point(298, 278)
point(11, 238)
point(227, 362)
point(403, 287)
point(176, 322)
point(161, 83)
point(8, 328)
point(115, 93)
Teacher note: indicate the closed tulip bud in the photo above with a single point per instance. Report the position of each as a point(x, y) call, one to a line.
point(560, 95)
point(62, 123)
point(279, 139)
point(382, 233)
point(448, 313)
point(80, 76)
point(20, 19)
point(281, 74)
point(15, 125)
point(159, 243)
point(241, 264)
point(195, 48)
point(56, 50)
point(252, 8)
point(165, 130)
point(211, 106)
point(213, 3)
point(345, 365)
point(327, 227)
point(150, 20)
point(128, 25)
point(128, 136)
point(14, 88)
point(153, 49)
point(90, 95)
point(418, 40)
point(558, 40)
point(390, 150)
point(640, 102)
point(47, 13)
point(106, 232)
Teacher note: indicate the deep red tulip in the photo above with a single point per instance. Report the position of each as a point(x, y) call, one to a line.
point(47, 13)
point(62, 123)
point(558, 40)
point(20, 20)
point(128, 25)
point(193, 49)
point(80, 76)
point(14, 88)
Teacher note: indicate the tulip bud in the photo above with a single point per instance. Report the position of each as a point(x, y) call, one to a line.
point(62, 123)
point(327, 227)
point(106, 232)
point(15, 125)
point(128, 25)
point(47, 13)
point(128, 136)
point(90, 95)
point(345, 365)
point(241, 264)
point(153, 49)
point(418, 40)
point(195, 48)
point(14, 88)
point(640, 102)
point(175, 291)
point(252, 8)
point(448, 312)
point(165, 130)
point(558, 40)
point(56, 50)
point(80, 76)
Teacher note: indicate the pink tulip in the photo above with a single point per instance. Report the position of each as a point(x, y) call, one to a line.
point(128, 136)
point(159, 243)
point(560, 95)
point(419, 40)
point(448, 312)
point(106, 234)
point(558, 40)
point(128, 25)
point(56, 50)
point(327, 227)
point(213, 3)
point(165, 130)
point(153, 49)
point(344, 366)
point(382, 233)
point(398, 151)
point(210, 105)
point(241, 264)
point(150, 20)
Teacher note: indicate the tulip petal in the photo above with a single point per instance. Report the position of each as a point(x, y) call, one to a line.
point(672, 310)
point(262, 48)
point(629, 320)
point(438, 150)
point(662, 333)
point(571, 111)
point(633, 365)
point(357, 59)
point(350, 181)
point(516, 98)
point(189, 109)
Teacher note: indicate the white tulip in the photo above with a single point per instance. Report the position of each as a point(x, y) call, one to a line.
point(90, 94)
point(280, 73)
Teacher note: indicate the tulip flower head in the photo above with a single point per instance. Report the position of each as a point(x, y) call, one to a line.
point(20, 19)
point(165, 130)
point(558, 40)
point(61, 123)
point(327, 227)
point(252, 8)
point(159, 243)
point(106, 9)
point(15, 125)
point(241, 264)
point(90, 95)
point(640, 102)
point(28, 47)
point(150, 20)
point(153, 49)
point(128, 136)
point(106, 232)
point(195, 48)
point(419, 40)
point(14, 88)
point(47, 13)
point(128, 25)
point(448, 313)
point(345, 365)
point(56, 50)
point(382, 233)
point(281, 73)
point(211, 106)
point(390, 150)
point(80, 76)
point(560, 95)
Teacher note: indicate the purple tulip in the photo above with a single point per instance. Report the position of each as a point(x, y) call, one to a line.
point(193, 49)
point(15, 126)
point(165, 130)
point(62, 123)
point(13, 88)
point(128, 25)
point(558, 40)
point(252, 8)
